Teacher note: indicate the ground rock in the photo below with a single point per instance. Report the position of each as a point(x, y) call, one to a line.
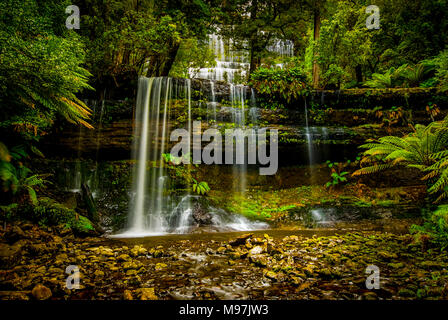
point(10, 254)
point(255, 251)
point(40, 292)
point(241, 239)
point(14, 234)
point(147, 294)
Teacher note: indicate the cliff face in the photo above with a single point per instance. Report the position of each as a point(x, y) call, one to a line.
point(345, 115)
point(109, 142)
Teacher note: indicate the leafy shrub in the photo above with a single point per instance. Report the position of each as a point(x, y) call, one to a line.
point(287, 84)
point(435, 227)
point(386, 80)
point(41, 70)
point(338, 176)
point(441, 67)
point(406, 75)
point(15, 177)
point(390, 117)
point(414, 76)
point(49, 212)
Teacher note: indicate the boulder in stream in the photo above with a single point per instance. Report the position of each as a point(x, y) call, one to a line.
point(201, 215)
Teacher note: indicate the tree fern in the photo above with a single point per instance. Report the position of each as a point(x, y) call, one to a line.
point(413, 76)
point(425, 149)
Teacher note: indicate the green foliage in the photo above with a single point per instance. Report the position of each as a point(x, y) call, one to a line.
point(344, 45)
point(403, 76)
point(135, 44)
point(127, 38)
point(441, 64)
point(348, 53)
point(15, 177)
point(435, 227)
point(337, 175)
point(192, 54)
point(49, 212)
point(410, 31)
point(414, 76)
point(170, 159)
point(183, 174)
point(40, 70)
point(337, 178)
point(285, 84)
point(425, 149)
point(200, 188)
point(387, 80)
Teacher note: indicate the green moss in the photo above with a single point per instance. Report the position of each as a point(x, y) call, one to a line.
point(49, 212)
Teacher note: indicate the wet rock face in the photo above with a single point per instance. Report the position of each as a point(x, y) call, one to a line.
point(221, 89)
point(201, 216)
point(111, 141)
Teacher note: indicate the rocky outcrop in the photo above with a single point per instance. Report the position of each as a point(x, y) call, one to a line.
point(201, 216)
point(111, 141)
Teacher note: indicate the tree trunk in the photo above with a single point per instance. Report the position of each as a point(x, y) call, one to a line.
point(170, 60)
point(254, 60)
point(358, 71)
point(316, 69)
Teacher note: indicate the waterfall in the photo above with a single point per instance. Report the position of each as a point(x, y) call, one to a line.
point(141, 144)
point(309, 137)
point(231, 64)
point(309, 142)
point(212, 103)
point(254, 112)
point(284, 48)
point(238, 100)
point(151, 210)
point(95, 185)
point(150, 139)
point(75, 176)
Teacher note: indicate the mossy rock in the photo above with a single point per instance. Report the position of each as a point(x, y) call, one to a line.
point(407, 293)
point(49, 212)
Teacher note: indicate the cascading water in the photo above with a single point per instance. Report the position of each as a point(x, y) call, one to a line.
point(238, 101)
point(254, 112)
point(211, 106)
point(309, 137)
point(152, 212)
point(95, 183)
point(231, 64)
point(75, 176)
point(149, 144)
point(284, 48)
point(309, 142)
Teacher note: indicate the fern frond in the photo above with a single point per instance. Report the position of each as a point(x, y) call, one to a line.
point(372, 169)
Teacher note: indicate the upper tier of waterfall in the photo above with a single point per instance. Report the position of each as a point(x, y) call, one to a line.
point(232, 64)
